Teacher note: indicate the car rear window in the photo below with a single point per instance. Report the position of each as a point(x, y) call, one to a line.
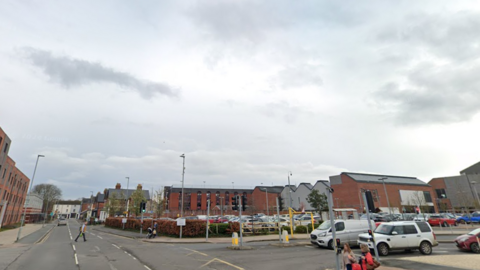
point(424, 227)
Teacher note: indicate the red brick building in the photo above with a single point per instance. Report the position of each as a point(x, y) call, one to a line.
point(195, 200)
point(404, 193)
point(14, 185)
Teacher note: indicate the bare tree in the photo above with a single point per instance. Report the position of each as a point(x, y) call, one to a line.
point(50, 194)
point(158, 202)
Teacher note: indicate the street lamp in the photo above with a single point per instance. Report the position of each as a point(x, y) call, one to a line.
point(386, 194)
point(289, 191)
point(233, 185)
point(204, 184)
point(183, 178)
point(25, 204)
point(266, 198)
point(91, 204)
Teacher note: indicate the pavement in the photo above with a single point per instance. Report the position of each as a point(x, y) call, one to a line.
point(33, 233)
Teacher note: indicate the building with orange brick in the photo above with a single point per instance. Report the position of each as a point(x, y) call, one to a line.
point(221, 200)
point(14, 185)
point(404, 193)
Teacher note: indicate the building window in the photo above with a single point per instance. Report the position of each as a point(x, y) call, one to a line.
point(441, 193)
point(217, 195)
point(428, 197)
point(199, 199)
point(227, 198)
point(6, 148)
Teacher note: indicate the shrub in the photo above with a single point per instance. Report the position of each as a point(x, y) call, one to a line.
point(301, 229)
point(314, 226)
point(219, 228)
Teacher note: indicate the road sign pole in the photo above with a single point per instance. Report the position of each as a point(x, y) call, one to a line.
point(208, 216)
point(278, 223)
point(241, 227)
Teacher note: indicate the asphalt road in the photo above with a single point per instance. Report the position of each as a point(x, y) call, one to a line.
point(112, 252)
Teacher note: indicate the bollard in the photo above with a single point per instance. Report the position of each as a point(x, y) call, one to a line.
point(235, 239)
point(285, 237)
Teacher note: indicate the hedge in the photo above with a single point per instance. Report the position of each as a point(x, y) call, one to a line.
point(192, 228)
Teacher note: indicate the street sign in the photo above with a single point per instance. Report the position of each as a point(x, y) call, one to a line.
point(151, 212)
point(124, 220)
point(180, 222)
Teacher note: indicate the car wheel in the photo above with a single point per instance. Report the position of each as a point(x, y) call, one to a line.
point(455, 224)
point(426, 248)
point(463, 221)
point(475, 248)
point(330, 244)
point(382, 249)
point(445, 224)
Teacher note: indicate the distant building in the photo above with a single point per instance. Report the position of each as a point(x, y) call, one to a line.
point(458, 193)
point(404, 193)
point(13, 185)
point(119, 193)
point(67, 209)
point(33, 206)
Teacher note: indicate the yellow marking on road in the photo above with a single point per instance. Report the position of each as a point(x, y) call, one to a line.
point(224, 262)
point(194, 251)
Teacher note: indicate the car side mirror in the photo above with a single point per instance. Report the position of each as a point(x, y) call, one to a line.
point(394, 233)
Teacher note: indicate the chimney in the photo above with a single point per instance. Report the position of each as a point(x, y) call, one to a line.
point(105, 191)
point(118, 186)
point(139, 187)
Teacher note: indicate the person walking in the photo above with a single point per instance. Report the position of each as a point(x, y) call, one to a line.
point(348, 257)
point(366, 260)
point(155, 228)
point(83, 230)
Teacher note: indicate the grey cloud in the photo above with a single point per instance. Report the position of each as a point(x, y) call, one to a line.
point(230, 20)
point(433, 94)
point(297, 76)
point(70, 72)
point(452, 36)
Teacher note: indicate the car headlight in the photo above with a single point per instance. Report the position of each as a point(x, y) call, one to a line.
point(322, 234)
point(463, 239)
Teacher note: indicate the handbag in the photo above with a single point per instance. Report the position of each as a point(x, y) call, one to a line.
point(375, 265)
point(356, 266)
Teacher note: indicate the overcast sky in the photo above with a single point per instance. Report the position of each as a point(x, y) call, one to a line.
point(248, 90)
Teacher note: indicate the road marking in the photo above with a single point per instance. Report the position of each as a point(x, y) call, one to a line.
point(134, 258)
point(194, 251)
point(97, 248)
point(73, 247)
point(92, 233)
point(222, 261)
point(99, 237)
point(147, 267)
point(76, 260)
point(116, 246)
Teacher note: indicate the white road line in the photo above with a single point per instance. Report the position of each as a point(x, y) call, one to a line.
point(134, 258)
point(99, 237)
point(92, 233)
point(116, 246)
point(147, 267)
point(76, 260)
point(73, 247)
point(97, 248)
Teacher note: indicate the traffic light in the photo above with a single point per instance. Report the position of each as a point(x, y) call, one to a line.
point(370, 233)
point(244, 202)
point(142, 207)
point(234, 203)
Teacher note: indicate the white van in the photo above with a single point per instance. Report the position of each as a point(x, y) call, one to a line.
point(346, 230)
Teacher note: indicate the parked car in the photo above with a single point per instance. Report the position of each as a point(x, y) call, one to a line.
point(469, 218)
point(469, 241)
point(441, 220)
point(305, 220)
point(62, 221)
point(346, 230)
point(407, 235)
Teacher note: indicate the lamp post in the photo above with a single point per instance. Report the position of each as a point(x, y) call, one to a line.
point(289, 191)
point(233, 185)
point(183, 178)
point(91, 204)
point(386, 194)
point(221, 205)
point(204, 184)
point(128, 199)
point(25, 204)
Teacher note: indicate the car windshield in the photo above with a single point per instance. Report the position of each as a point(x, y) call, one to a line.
point(324, 226)
point(474, 232)
point(384, 229)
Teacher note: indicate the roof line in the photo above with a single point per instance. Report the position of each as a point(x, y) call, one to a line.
point(382, 175)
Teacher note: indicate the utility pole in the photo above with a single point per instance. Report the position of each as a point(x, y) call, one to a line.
point(128, 199)
point(183, 180)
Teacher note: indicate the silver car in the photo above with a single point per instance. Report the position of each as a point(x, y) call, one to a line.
point(62, 221)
